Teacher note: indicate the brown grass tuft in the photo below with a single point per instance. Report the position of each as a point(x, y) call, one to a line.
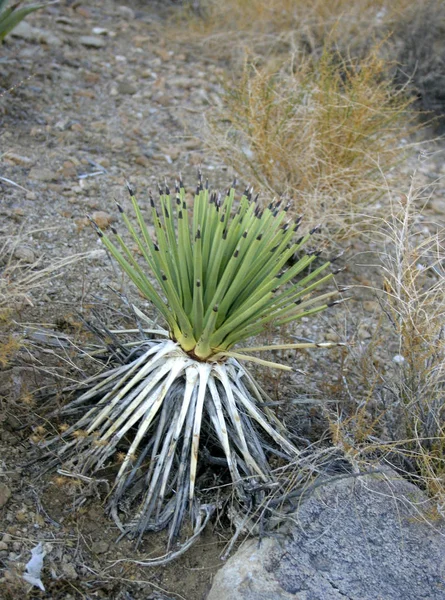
point(401, 418)
point(322, 130)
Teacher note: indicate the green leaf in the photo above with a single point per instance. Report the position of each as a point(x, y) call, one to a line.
point(13, 15)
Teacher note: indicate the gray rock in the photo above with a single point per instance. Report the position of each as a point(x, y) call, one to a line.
point(92, 41)
point(438, 206)
point(18, 159)
point(25, 254)
point(357, 539)
point(5, 494)
point(25, 31)
point(69, 570)
point(125, 87)
point(126, 13)
point(100, 547)
point(42, 174)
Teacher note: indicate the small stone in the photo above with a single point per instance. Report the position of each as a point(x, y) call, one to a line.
point(331, 336)
point(25, 254)
point(100, 547)
point(92, 41)
point(370, 306)
point(142, 160)
point(363, 332)
point(126, 13)
point(21, 516)
point(3, 546)
point(41, 174)
point(438, 206)
point(127, 88)
point(69, 570)
point(5, 494)
point(25, 31)
point(99, 31)
point(102, 218)
point(17, 159)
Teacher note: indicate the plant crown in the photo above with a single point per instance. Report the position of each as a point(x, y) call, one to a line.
point(221, 268)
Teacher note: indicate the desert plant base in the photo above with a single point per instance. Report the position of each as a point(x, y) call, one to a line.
point(149, 414)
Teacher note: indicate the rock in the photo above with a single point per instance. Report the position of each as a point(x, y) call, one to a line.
point(102, 218)
point(42, 174)
point(363, 332)
point(99, 31)
point(126, 13)
point(371, 306)
point(5, 494)
point(92, 41)
point(357, 539)
point(69, 570)
point(25, 254)
point(438, 206)
point(332, 336)
point(25, 31)
point(17, 159)
point(100, 547)
point(125, 87)
point(3, 546)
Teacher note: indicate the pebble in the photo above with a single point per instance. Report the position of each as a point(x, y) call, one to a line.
point(21, 516)
point(363, 332)
point(126, 13)
point(331, 336)
point(127, 88)
point(102, 218)
point(92, 41)
point(398, 359)
point(25, 31)
point(371, 306)
point(41, 174)
point(5, 494)
point(100, 547)
point(25, 254)
point(3, 546)
point(17, 159)
point(438, 206)
point(69, 570)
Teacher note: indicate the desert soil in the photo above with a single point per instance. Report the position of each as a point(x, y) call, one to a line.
point(92, 95)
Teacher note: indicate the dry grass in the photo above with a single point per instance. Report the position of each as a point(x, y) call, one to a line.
point(321, 130)
point(276, 25)
point(401, 417)
point(21, 283)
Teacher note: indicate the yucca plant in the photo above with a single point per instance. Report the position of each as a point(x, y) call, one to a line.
point(218, 274)
point(11, 16)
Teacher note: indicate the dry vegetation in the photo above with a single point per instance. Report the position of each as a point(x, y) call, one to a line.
point(320, 104)
point(321, 130)
point(399, 418)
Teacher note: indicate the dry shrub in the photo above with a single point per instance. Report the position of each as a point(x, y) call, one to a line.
point(415, 300)
point(302, 24)
point(321, 130)
point(400, 418)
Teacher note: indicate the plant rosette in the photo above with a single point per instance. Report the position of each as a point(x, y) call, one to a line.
point(218, 273)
